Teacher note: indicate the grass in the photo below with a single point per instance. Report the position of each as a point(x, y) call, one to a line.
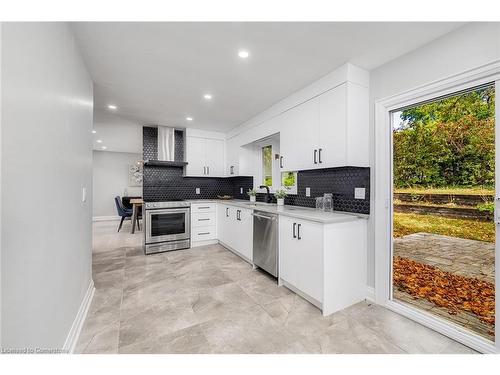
point(448, 190)
point(408, 223)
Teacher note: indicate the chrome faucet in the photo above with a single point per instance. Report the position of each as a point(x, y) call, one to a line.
point(268, 194)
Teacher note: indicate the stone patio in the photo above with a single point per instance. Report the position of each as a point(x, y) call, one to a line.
point(459, 256)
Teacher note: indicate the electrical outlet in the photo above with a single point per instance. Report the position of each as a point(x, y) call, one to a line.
point(197, 190)
point(359, 193)
point(308, 191)
point(241, 190)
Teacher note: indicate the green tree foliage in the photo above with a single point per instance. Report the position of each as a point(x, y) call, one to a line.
point(450, 142)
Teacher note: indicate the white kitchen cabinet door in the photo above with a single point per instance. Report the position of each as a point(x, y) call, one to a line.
point(332, 128)
point(221, 223)
point(299, 136)
point(195, 156)
point(244, 233)
point(301, 256)
point(232, 158)
point(214, 159)
point(289, 252)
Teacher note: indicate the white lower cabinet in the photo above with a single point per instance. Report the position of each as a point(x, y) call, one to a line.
point(325, 263)
point(203, 224)
point(301, 245)
point(235, 229)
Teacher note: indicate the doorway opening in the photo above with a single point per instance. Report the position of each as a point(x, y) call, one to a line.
point(443, 189)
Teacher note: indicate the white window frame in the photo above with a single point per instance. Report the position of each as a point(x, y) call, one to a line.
point(383, 212)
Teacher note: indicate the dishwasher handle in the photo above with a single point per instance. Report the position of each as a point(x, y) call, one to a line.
point(264, 217)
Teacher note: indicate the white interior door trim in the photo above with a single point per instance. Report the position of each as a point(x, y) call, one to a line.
point(383, 197)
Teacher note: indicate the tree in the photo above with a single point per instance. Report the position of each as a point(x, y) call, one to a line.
point(448, 142)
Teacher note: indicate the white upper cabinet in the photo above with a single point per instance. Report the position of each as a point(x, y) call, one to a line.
point(299, 137)
point(330, 130)
point(195, 156)
point(215, 157)
point(205, 157)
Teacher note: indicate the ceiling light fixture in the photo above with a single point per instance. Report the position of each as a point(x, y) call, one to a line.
point(94, 131)
point(243, 54)
point(99, 141)
point(189, 118)
point(207, 96)
point(112, 106)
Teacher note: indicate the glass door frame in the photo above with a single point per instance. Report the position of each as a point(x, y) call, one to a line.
point(383, 207)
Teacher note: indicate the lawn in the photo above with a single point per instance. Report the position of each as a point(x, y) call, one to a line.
point(408, 223)
point(448, 190)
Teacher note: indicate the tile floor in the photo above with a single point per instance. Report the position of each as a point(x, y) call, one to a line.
point(207, 300)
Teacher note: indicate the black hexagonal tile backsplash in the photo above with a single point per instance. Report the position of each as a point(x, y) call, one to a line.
point(163, 183)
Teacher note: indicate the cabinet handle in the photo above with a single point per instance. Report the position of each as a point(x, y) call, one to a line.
point(231, 168)
point(208, 170)
point(204, 233)
point(319, 155)
point(203, 219)
point(227, 211)
point(298, 232)
point(281, 161)
point(238, 215)
point(203, 208)
point(315, 156)
point(204, 170)
point(294, 225)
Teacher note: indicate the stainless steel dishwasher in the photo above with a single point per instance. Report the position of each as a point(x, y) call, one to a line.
point(265, 241)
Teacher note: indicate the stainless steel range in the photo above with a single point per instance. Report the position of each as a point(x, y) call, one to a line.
point(166, 226)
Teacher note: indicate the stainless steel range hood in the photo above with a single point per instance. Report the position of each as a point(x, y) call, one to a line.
point(166, 149)
point(166, 143)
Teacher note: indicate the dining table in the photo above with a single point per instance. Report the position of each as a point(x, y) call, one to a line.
point(136, 205)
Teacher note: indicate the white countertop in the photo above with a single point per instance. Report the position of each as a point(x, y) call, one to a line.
point(299, 212)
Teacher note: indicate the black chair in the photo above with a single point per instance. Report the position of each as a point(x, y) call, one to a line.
point(124, 212)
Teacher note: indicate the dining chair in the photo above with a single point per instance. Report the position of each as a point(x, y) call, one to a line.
point(123, 212)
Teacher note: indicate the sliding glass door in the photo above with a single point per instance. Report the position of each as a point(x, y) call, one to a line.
point(443, 228)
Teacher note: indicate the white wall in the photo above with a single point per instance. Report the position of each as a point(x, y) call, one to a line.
point(468, 47)
point(46, 158)
point(117, 133)
point(110, 178)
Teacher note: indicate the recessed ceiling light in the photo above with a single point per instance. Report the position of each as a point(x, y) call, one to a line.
point(189, 118)
point(243, 54)
point(104, 147)
point(112, 106)
point(94, 131)
point(99, 141)
point(207, 96)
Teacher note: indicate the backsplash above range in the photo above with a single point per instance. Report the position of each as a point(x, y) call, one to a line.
point(168, 182)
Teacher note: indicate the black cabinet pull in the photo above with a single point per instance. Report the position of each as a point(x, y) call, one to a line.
point(203, 219)
point(232, 169)
point(294, 225)
point(238, 215)
point(203, 234)
point(208, 170)
point(281, 161)
point(315, 156)
point(298, 232)
point(227, 211)
point(319, 155)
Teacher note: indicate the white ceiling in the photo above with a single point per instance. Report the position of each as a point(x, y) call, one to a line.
point(158, 72)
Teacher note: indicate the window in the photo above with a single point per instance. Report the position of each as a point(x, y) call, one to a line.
point(267, 165)
point(289, 181)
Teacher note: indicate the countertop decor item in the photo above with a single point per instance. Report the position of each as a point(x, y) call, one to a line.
point(225, 197)
point(280, 195)
point(252, 193)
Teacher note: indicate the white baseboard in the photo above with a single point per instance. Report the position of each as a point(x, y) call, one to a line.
point(76, 327)
point(106, 218)
point(370, 293)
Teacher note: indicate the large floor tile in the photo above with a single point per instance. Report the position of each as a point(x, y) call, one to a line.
point(208, 300)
